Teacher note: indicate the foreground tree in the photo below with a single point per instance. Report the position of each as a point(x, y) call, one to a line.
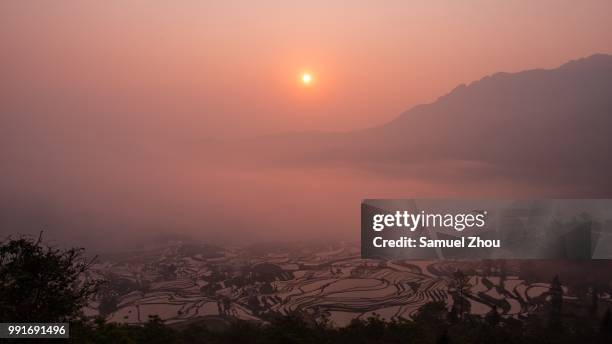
point(556, 302)
point(42, 284)
point(460, 287)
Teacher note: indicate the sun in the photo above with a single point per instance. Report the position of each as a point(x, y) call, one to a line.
point(306, 78)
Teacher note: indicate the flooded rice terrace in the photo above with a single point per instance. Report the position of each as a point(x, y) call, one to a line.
point(182, 282)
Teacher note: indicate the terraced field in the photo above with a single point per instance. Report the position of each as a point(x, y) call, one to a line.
point(184, 282)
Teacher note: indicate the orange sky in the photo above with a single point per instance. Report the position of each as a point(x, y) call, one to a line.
point(104, 105)
point(229, 68)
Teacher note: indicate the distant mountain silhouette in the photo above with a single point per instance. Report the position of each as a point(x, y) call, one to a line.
point(551, 126)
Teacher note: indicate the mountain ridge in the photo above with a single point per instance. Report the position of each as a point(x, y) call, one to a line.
point(541, 125)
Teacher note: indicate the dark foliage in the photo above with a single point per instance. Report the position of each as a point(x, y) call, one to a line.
point(42, 284)
point(424, 329)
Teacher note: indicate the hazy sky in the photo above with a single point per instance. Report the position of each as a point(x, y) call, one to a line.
point(226, 68)
point(104, 105)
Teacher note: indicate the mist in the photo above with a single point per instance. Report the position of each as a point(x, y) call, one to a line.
point(121, 123)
